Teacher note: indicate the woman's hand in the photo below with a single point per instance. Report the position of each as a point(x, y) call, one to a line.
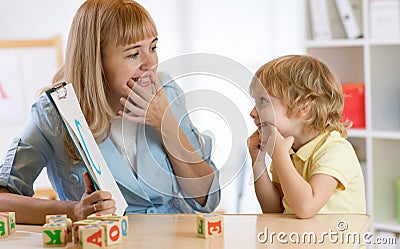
point(93, 202)
point(149, 107)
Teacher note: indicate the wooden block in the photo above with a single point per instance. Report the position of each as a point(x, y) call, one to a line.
point(4, 227)
point(77, 224)
point(97, 216)
point(210, 225)
point(92, 236)
point(10, 216)
point(55, 216)
point(113, 233)
point(68, 222)
point(123, 220)
point(54, 234)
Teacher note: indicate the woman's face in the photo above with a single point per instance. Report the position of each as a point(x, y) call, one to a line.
point(133, 61)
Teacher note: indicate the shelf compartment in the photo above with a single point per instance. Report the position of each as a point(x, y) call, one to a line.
point(386, 170)
point(385, 88)
point(345, 62)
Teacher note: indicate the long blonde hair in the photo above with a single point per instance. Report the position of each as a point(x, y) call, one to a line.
point(300, 80)
point(96, 24)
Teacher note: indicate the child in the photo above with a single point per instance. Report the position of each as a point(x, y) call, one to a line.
point(314, 169)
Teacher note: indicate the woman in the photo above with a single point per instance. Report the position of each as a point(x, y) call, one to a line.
point(160, 165)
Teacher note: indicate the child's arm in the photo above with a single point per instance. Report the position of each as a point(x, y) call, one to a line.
point(305, 198)
point(269, 195)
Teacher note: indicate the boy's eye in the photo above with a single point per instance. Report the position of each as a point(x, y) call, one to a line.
point(264, 101)
point(133, 56)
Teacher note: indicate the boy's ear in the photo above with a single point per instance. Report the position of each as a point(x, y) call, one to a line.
point(305, 110)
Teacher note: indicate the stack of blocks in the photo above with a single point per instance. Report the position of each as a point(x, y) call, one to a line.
point(103, 230)
point(7, 224)
point(97, 231)
point(210, 226)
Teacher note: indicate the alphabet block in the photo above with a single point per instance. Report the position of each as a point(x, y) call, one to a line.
point(68, 222)
point(112, 232)
point(10, 226)
point(92, 236)
point(55, 217)
point(123, 220)
point(54, 234)
point(97, 216)
point(210, 225)
point(77, 224)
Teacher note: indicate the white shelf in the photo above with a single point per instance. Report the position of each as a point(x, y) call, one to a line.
point(335, 43)
point(384, 42)
point(359, 133)
point(392, 135)
point(389, 226)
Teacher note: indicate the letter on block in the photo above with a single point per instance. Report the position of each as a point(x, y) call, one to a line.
point(3, 227)
point(68, 223)
point(54, 234)
point(113, 232)
point(77, 224)
point(210, 225)
point(92, 236)
point(10, 216)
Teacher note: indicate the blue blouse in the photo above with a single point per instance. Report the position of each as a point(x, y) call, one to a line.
point(154, 190)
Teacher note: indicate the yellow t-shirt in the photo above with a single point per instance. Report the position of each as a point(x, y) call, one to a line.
point(333, 155)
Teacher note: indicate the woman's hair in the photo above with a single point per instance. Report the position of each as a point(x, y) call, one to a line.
point(96, 24)
point(302, 81)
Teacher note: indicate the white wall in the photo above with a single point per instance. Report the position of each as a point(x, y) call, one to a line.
point(248, 32)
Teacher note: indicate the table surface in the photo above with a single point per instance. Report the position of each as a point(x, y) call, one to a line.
point(241, 231)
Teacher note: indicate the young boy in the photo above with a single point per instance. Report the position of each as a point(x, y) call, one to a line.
point(314, 169)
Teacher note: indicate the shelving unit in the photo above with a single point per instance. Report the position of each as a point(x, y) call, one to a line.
point(376, 64)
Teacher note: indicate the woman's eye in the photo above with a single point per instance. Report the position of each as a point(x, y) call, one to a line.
point(154, 48)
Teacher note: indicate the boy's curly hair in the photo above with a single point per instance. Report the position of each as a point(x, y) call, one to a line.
point(301, 81)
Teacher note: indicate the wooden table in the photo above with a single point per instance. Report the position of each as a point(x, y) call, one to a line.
point(241, 231)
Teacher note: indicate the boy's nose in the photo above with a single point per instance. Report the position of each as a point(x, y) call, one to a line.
point(254, 113)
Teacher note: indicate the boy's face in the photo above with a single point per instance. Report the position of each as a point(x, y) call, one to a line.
point(269, 110)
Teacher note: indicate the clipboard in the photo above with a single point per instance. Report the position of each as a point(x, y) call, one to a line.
point(64, 99)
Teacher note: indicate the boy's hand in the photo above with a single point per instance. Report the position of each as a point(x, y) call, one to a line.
point(272, 140)
point(254, 145)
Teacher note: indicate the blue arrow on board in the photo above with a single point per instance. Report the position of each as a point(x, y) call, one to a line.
point(97, 168)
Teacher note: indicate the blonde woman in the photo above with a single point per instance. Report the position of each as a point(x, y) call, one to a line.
point(160, 165)
point(298, 107)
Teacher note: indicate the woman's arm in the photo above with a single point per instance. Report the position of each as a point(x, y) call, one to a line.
point(30, 210)
point(193, 173)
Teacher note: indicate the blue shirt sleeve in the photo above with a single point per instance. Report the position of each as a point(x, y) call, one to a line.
point(29, 152)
